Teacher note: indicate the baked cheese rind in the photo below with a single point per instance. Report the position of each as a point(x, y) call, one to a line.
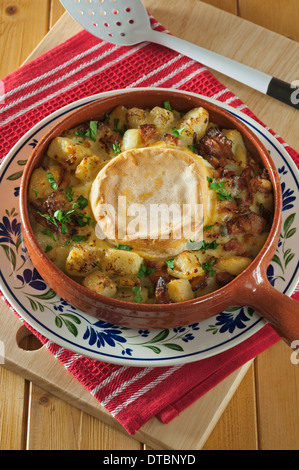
point(147, 177)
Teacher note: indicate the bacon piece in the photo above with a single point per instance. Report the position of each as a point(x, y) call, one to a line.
point(35, 211)
point(148, 133)
point(261, 185)
point(161, 292)
point(235, 246)
point(215, 148)
point(56, 201)
point(230, 206)
point(248, 223)
point(244, 183)
point(160, 271)
point(199, 282)
point(108, 137)
point(243, 206)
point(222, 279)
point(244, 179)
point(171, 139)
point(225, 173)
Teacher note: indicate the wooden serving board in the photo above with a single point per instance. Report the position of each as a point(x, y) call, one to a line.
point(191, 429)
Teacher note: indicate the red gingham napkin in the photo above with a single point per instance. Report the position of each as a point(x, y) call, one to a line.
point(83, 66)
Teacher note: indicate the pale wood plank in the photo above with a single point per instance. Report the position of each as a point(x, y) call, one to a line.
point(13, 402)
point(56, 11)
point(237, 427)
point(63, 29)
point(280, 16)
point(56, 425)
point(231, 6)
point(23, 25)
point(278, 399)
point(195, 424)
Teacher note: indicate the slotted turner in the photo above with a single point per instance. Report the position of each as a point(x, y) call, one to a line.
point(126, 22)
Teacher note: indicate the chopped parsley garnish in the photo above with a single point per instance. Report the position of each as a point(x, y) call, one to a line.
point(214, 184)
point(144, 271)
point(208, 267)
point(208, 227)
point(222, 194)
point(202, 245)
point(123, 247)
point(137, 294)
point(52, 181)
point(209, 246)
point(177, 132)
point(69, 194)
point(91, 133)
point(72, 215)
point(117, 128)
point(49, 218)
point(169, 263)
point(116, 149)
point(49, 233)
point(82, 202)
point(167, 106)
point(64, 229)
point(48, 248)
point(192, 148)
point(35, 192)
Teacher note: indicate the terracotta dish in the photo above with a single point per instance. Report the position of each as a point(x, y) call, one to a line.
point(250, 288)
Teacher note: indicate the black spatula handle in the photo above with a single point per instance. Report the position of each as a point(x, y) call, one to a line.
point(284, 92)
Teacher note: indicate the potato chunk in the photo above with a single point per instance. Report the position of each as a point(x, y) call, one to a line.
point(121, 262)
point(180, 290)
point(39, 186)
point(88, 168)
point(233, 265)
point(194, 122)
point(162, 118)
point(82, 260)
point(136, 117)
point(118, 116)
point(127, 295)
point(238, 146)
point(186, 266)
point(131, 140)
point(67, 152)
point(100, 283)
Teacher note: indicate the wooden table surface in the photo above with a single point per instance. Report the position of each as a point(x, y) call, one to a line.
point(264, 411)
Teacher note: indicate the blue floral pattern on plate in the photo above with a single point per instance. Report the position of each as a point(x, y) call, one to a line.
point(62, 323)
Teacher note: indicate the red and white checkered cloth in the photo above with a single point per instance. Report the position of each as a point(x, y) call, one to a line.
point(84, 66)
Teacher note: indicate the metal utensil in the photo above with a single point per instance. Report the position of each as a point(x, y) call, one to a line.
point(126, 22)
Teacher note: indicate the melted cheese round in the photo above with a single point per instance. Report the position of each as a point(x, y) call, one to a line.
point(153, 199)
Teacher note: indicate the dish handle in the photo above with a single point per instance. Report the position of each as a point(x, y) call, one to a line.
point(281, 311)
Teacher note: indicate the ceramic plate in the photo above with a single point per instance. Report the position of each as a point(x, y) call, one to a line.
point(68, 327)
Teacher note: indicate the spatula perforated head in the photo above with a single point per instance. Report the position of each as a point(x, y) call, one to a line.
point(121, 22)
